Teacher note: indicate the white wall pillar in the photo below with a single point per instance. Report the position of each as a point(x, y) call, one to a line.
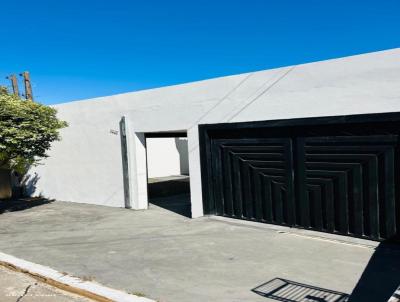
point(139, 177)
point(196, 195)
point(137, 168)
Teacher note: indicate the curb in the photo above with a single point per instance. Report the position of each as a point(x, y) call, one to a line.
point(68, 283)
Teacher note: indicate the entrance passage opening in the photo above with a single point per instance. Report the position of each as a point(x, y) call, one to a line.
point(168, 181)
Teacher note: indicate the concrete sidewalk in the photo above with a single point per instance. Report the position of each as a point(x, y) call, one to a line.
point(168, 257)
point(18, 287)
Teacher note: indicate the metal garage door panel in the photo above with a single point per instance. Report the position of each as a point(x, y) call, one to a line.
point(338, 175)
point(347, 184)
point(252, 179)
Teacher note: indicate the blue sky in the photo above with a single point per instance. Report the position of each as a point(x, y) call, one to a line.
point(82, 49)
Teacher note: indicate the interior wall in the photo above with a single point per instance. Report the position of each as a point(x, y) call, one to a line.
point(167, 156)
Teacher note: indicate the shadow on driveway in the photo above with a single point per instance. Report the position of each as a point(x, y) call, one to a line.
point(192, 260)
point(378, 282)
point(171, 193)
point(381, 276)
point(290, 291)
point(12, 205)
point(179, 204)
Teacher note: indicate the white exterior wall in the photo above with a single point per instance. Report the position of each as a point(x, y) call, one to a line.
point(86, 165)
point(167, 156)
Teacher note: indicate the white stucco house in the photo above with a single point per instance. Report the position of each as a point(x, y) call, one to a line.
point(245, 164)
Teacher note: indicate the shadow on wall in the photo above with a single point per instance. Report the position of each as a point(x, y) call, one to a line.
point(29, 182)
point(182, 147)
point(378, 282)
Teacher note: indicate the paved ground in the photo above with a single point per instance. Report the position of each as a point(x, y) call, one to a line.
point(169, 257)
point(18, 287)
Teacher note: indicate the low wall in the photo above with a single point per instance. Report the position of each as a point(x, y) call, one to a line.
point(5, 184)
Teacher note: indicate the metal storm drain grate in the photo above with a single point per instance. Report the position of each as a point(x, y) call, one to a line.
point(290, 291)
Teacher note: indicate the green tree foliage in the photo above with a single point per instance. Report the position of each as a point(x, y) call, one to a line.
point(26, 131)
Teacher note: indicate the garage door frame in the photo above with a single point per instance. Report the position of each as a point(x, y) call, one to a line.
point(208, 131)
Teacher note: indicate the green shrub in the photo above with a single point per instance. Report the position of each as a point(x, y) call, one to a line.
point(27, 130)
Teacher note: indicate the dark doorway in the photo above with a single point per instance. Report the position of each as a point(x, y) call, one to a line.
point(168, 180)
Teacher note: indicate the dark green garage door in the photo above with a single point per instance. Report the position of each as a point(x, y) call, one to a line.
point(337, 175)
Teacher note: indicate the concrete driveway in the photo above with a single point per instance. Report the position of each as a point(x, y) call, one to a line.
point(169, 257)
